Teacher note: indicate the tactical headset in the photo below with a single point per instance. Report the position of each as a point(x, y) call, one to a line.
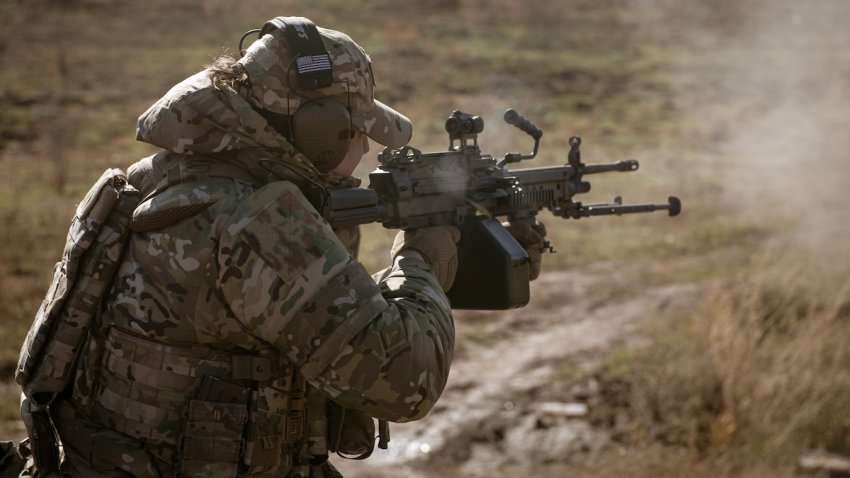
point(320, 128)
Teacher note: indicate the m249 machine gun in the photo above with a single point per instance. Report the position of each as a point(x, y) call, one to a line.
point(468, 189)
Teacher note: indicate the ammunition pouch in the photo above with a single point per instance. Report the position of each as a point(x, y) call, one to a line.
point(351, 433)
point(213, 440)
point(207, 411)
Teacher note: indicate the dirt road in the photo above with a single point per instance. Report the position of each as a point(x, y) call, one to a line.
point(502, 401)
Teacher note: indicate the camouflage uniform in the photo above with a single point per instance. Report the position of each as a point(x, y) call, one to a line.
point(231, 273)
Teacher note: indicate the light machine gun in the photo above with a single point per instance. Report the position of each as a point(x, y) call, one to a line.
point(468, 189)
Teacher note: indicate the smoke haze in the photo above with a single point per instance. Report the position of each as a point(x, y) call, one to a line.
point(779, 85)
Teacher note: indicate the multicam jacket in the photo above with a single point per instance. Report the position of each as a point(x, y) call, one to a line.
point(238, 316)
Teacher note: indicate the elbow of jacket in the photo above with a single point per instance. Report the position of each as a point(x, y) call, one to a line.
point(418, 404)
point(404, 413)
point(421, 411)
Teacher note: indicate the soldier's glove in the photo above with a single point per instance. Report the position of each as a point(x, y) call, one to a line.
point(531, 238)
point(438, 247)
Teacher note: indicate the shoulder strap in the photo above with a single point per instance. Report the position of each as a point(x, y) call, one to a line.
point(188, 171)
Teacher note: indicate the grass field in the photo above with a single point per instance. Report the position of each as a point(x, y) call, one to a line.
point(739, 108)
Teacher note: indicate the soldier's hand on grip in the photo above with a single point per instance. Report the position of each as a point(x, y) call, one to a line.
point(531, 238)
point(438, 247)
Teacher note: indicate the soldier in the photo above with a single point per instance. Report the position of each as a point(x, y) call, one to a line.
point(241, 336)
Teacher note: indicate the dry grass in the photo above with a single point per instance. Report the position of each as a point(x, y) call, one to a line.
point(757, 374)
point(779, 344)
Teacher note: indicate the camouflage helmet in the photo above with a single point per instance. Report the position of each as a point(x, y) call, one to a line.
point(268, 61)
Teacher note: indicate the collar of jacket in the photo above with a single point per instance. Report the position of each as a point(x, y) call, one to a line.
point(258, 167)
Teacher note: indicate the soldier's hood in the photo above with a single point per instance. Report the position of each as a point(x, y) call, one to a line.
point(196, 117)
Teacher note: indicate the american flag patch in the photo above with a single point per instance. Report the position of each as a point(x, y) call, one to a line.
point(307, 64)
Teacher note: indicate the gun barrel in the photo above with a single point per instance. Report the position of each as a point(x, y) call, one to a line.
point(626, 165)
point(673, 206)
point(545, 174)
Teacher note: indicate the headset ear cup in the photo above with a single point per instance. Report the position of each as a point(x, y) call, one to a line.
point(321, 130)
